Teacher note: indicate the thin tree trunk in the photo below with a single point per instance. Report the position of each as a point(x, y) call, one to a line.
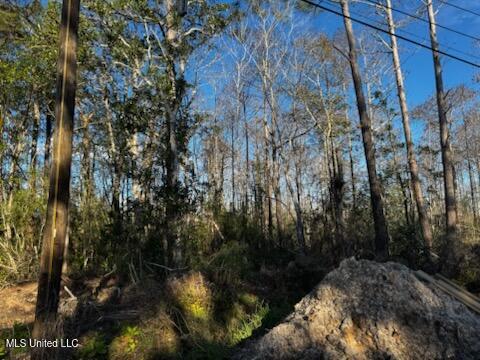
point(34, 144)
point(299, 227)
point(247, 157)
point(276, 170)
point(380, 223)
point(87, 180)
point(447, 159)
point(412, 161)
point(232, 144)
point(472, 191)
point(48, 140)
point(116, 175)
point(267, 175)
point(339, 194)
point(350, 154)
point(55, 231)
point(398, 175)
point(352, 171)
point(134, 153)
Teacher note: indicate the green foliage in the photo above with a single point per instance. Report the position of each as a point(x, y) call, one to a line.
point(19, 235)
point(405, 244)
point(278, 311)
point(92, 348)
point(192, 294)
point(18, 331)
point(126, 344)
point(89, 229)
point(230, 264)
point(243, 323)
point(3, 349)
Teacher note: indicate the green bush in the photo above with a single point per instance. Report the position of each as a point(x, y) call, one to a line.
point(229, 265)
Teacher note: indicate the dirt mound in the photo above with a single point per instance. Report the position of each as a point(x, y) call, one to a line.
point(367, 310)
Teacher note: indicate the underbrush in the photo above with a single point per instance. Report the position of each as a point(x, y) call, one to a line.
point(18, 331)
point(200, 314)
point(20, 229)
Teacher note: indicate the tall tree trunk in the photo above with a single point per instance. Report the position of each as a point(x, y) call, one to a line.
point(412, 161)
point(447, 158)
point(55, 230)
point(380, 223)
point(175, 10)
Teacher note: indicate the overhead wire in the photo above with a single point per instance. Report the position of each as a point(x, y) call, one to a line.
point(411, 33)
point(458, 32)
point(398, 36)
point(448, 3)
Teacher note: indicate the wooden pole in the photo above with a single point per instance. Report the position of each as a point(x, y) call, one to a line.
point(55, 231)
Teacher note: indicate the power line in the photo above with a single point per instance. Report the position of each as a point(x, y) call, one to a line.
point(459, 7)
point(389, 33)
point(425, 20)
point(412, 34)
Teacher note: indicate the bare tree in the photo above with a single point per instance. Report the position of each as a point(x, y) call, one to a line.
point(381, 231)
point(445, 141)
point(412, 161)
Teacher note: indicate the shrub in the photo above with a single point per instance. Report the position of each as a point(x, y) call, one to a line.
point(92, 347)
point(244, 321)
point(125, 345)
point(229, 265)
point(192, 294)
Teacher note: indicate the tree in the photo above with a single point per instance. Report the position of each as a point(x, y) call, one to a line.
point(445, 143)
point(55, 231)
point(412, 161)
point(381, 230)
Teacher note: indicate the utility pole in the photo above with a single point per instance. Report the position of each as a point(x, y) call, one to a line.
point(55, 231)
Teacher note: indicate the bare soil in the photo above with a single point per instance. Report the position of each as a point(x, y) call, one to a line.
point(17, 304)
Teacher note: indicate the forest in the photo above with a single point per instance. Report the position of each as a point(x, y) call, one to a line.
point(176, 175)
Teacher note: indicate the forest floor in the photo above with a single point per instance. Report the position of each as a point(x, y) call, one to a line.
point(18, 304)
point(204, 313)
point(198, 314)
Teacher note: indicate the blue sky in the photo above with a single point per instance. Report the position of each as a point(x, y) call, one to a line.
point(417, 62)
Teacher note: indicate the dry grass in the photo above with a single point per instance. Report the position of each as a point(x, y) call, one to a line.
point(17, 304)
